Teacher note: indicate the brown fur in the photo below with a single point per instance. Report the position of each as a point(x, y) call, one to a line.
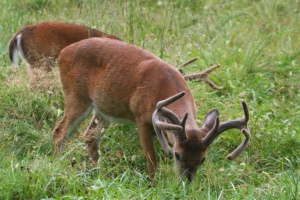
point(123, 81)
point(47, 39)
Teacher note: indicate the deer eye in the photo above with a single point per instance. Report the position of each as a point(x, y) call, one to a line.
point(177, 156)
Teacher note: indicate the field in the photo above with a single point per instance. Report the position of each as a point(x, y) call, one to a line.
point(257, 44)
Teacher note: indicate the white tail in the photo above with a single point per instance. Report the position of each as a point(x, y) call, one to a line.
point(17, 51)
point(119, 80)
point(42, 42)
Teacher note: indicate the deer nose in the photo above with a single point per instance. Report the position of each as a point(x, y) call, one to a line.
point(190, 174)
point(190, 177)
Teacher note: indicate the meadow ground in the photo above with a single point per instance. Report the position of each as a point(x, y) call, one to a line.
point(257, 44)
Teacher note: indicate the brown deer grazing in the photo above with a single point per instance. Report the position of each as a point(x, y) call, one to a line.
point(42, 42)
point(122, 81)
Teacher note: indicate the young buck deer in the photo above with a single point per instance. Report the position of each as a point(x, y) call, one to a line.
point(42, 42)
point(122, 81)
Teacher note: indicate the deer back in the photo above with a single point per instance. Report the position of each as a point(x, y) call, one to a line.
point(47, 39)
point(122, 81)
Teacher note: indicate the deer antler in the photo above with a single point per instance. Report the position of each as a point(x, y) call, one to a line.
point(203, 76)
point(185, 64)
point(160, 117)
point(238, 124)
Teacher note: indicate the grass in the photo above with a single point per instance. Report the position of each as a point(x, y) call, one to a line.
point(257, 44)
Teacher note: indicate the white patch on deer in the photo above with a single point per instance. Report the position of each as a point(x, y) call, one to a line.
point(18, 52)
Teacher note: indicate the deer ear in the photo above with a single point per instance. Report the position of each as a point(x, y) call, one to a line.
point(210, 119)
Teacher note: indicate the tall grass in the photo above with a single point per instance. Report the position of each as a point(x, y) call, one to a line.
point(257, 44)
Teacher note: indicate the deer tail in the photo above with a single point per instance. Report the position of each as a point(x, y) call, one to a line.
point(15, 50)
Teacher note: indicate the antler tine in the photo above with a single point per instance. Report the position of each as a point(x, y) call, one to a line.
point(169, 115)
point(187, 63)
point(241, 147)
point(232, 124)
point(161, 137)
point(162, 125)
point(246, 111)
point(169, 100)
point(172, 117)
point(166, 113)
point(212, 134)
point(159, 117)
point(203, 76)
point(245, 131)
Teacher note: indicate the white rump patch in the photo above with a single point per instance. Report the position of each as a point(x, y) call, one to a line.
point(18, 52)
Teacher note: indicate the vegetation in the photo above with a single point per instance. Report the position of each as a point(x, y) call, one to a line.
point(257, 44)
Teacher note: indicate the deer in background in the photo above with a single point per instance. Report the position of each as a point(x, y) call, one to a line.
point(122, 81)
point(41, 43)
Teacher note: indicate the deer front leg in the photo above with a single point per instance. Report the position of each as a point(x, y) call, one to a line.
point(92, 137)
point(74, 114)
point(146, 134)
point(58, 132)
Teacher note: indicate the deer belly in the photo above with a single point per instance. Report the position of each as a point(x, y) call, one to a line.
point(117, 113)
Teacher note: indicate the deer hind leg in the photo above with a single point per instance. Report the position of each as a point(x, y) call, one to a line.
point(92, 136)
point(146, 134)
point(74, 115)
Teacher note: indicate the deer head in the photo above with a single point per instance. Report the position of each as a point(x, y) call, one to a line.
point(190, 145)
point(122, 81)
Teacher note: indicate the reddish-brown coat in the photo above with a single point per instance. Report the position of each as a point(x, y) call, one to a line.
point(45, 40)
point(122, 81)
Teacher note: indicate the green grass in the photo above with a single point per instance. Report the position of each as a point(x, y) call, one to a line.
point(257, 44)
